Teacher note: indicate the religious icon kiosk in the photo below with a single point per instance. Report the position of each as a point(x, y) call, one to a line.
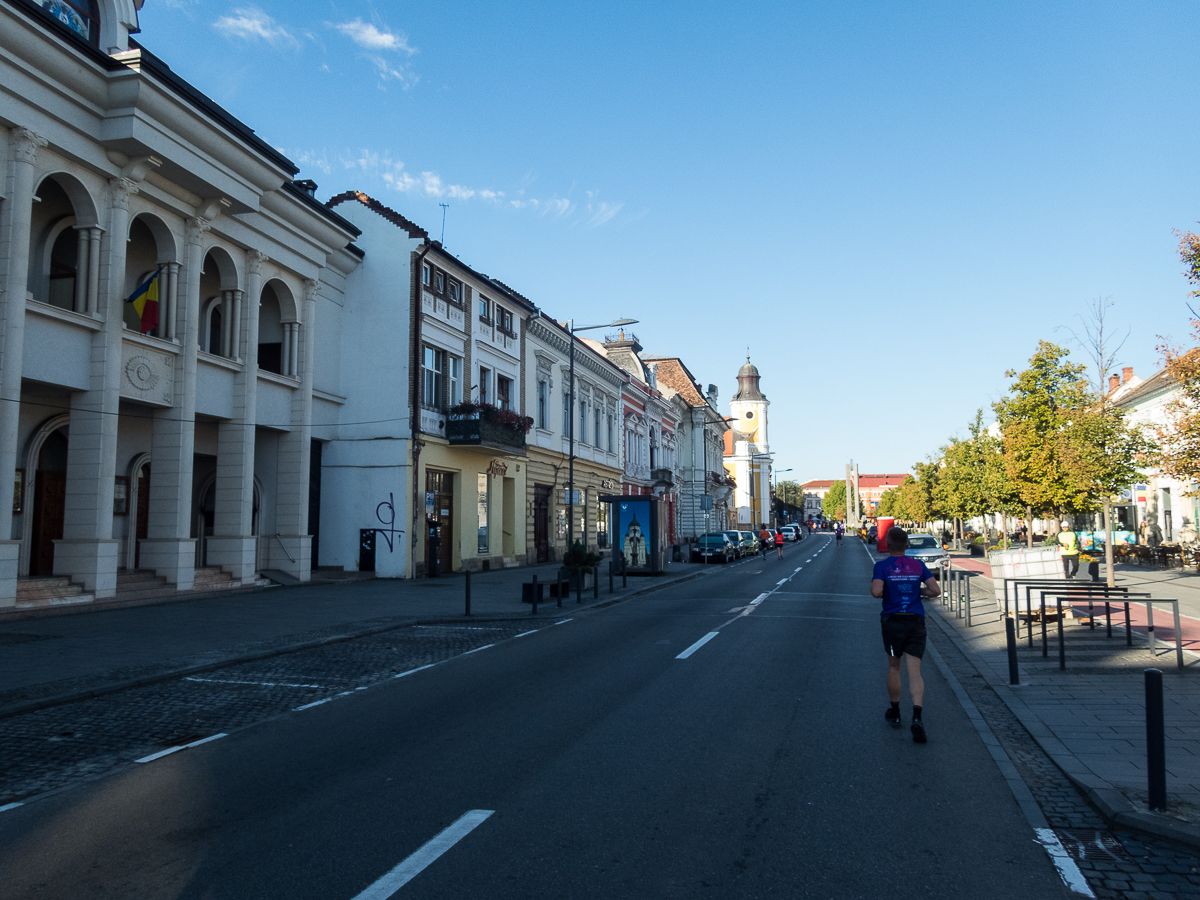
point(639, 529)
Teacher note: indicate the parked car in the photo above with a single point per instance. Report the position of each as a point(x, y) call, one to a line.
point(792, 532)
point(715, 546)
point(928, 550)
point(739, 549)
point(749, 543)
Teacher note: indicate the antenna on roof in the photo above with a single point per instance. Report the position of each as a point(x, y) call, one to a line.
point(444, 206)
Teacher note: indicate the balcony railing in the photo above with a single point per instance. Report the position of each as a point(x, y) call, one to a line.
point(481, 430)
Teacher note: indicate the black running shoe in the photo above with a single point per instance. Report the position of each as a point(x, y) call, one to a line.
point(893, 717)
point(918, 732)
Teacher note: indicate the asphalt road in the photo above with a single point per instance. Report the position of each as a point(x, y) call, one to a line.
point(589, 761)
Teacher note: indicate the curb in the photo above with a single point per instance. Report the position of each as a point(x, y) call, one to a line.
point(102, 690)
point(1113, 805)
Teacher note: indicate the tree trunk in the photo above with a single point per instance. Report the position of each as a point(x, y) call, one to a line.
point(1111, 581)
point(1029, 527)
point(1004, 530)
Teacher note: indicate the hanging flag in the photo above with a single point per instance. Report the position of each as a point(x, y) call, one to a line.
point(145, 301)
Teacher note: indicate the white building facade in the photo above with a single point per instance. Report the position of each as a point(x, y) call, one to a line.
point(178, 446)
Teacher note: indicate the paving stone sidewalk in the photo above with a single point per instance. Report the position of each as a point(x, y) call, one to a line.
point(1090, 718)
point(45, 661)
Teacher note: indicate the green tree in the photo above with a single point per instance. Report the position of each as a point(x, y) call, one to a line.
point(790, 492)
point(834, 503)
point(1179, 438)
point(1036, 418)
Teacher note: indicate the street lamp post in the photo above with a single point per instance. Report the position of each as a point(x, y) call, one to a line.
point(619, 323)
point(775, 490)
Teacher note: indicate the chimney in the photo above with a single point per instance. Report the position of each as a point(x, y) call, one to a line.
point(1114, 382)
point(1126, 374)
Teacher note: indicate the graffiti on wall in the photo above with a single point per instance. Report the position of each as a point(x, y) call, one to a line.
point(389, 531)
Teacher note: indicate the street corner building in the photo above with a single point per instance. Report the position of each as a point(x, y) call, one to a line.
point(171, 305)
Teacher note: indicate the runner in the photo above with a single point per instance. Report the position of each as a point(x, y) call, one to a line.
point(779, 543)
point(901, 581)
point(838, 533)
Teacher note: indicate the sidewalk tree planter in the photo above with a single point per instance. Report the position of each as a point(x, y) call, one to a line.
point(578, 565)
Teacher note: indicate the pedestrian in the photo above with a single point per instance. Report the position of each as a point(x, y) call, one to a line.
point(779, 543)
point(764, 537)
point(901, 581)
point(837, 530)
point(1068, 548)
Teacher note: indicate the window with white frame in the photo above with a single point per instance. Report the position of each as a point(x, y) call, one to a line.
point(597, 436)
point(439, 282)
point(426, 274)
point(485, 308)
point(456, 395)
point(504, 318)
point(566, 413)
point(432, 369)
point(454, 291)
point(583, 418)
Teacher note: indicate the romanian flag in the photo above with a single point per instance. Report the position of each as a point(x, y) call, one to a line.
point(145, 301)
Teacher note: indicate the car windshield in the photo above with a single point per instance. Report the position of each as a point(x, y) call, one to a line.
point(922, 542)
point(714, 539)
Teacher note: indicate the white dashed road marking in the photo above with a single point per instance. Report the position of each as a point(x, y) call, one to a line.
point(415, 864)
point(696, 646)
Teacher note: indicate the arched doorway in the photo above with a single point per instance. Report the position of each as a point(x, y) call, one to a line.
point(49, 502)
point(205, 518)
point(139, 509)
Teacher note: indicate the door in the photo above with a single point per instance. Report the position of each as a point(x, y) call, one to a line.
point(143, 514)
point(541, 522)
point(50, 504)
point(439, 552)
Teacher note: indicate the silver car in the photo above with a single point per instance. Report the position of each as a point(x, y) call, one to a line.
point(928, 549)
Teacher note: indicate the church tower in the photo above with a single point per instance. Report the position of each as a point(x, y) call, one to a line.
point(747, 456)
point(749, 407)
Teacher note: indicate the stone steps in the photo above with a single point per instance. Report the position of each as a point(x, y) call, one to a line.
point(40, 591)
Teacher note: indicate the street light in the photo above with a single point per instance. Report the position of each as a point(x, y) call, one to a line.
point(775, 490)
point(619, 323)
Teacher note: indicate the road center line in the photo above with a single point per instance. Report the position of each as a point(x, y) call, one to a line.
point(696, 646)
point(7, 806)
point(477, 649)
point(415, 864)
point(418, 669)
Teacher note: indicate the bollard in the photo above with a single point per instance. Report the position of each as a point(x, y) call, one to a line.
point(624, 577)
point(610, 575)
point(1156, 749)
point(968, 602)
point(1091, 616)
point(1045, 651)
point(1062, 647)
point(1029, 614)
point(1010, 632)
point(468, 574)
point(1128, 630)
point(559, 591)
point(533, 612)
point(1108, 618)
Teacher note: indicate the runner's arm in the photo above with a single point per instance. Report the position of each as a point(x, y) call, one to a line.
point(877, 587)
point(931, 588)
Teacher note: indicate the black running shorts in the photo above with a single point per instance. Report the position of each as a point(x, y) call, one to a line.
point(904, 633)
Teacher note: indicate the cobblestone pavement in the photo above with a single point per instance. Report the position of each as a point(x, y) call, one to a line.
point(1118, 864)
point(62, 745)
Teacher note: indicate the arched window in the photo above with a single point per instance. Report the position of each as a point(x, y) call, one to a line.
point(81, 17)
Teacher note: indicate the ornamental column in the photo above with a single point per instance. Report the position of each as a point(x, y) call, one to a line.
point(292, 487)
point(18, 210)
point(87, 553)
point(170, 549)
point(232, 546)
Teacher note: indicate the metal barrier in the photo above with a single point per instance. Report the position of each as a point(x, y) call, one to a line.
point(1151, 638)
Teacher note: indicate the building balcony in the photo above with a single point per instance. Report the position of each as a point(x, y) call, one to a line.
point(487, 429)
point(662, 477)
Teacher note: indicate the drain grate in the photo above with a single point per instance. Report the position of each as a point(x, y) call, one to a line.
point(1088, 843)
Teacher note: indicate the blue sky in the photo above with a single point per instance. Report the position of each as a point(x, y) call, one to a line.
point(889, 204)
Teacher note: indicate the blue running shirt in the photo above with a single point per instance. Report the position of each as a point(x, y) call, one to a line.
point(902, 577)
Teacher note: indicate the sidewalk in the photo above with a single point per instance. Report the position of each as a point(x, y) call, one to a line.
point(46, 661)
point(1090, 717)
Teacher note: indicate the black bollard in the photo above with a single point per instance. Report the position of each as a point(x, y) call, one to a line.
point(468, 612)
point(1045, 651)
point(1128, 630)
point(1010, 632)
point(533, 611)
point(1156, 748)
point(968, 602)
point(1062, 647)
point(1108, 618)
point(559, 591)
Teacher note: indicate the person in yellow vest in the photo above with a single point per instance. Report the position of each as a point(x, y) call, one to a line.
point(1068, 548)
